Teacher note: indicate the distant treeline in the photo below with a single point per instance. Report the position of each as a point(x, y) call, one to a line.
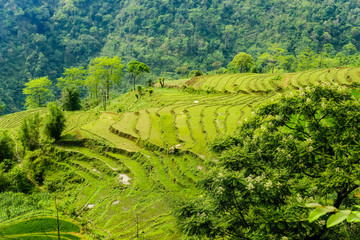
point(41, 38)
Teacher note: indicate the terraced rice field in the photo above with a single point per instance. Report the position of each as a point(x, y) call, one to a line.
point(263, 83)
point(14, 120)
point(344, 76)
point(124, 175)
point(120, 193)
point(40, 228)
point(237, 83)
point(189, 124)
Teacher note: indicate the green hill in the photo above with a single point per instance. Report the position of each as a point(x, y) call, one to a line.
point(119, 173)
point(40, 38)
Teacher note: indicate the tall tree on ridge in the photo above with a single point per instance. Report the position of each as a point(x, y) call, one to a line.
point(104, 72)
point(136, 69)
point(37, 91)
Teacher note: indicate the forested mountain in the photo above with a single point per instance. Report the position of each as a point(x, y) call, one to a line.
point(39, 38)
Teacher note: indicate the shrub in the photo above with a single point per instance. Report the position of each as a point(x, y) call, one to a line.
point(55, 122)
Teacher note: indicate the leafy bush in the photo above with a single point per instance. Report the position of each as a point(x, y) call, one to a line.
point(19, 181)
point(6, 150)
point(30, 132)
point(302, 148)
point(54, 122)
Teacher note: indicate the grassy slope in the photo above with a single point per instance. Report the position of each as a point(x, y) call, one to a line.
point(152, 127)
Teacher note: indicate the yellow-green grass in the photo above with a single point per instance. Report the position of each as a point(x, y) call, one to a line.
point(168, 127)
point(230, 85)
point(339, 75)
point(156, 131)
point(77, 119)
point(143, 125)
point(209, 122)
point(179, 124)
point(184, 135)
point(100, 130)
point(127, 123)
point(174, 83)
point(245, 82)
point(196, 128)
point(354, 74)
point(14, 120)
point(40, 228)
point(304, 79)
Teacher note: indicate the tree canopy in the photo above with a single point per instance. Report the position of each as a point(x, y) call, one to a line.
point(6, 150)
point(38, 92)
point(73, 77)
point(29, 133)
point(54, 122)
point(302, 148)
point(242, 61)
point(136, 69)
point(103, 73)
point(42, 38)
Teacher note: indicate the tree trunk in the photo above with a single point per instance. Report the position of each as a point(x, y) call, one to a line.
point(107, 86)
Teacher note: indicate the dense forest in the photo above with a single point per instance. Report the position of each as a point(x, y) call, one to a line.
point(41, 38)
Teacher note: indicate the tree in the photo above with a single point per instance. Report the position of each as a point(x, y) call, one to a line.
point(30, 132)
point(72, 77)
point(349, 49)
point(182, 69)
point(6, 150)
point(273, 57)
point(299, 149)
point(2, 106)
point(70, 97)
point(104, 72)
point(136, 69)
point(305, 59)
point(161, 80)
point(54, 122)
point(37, 91)
point(242, 61)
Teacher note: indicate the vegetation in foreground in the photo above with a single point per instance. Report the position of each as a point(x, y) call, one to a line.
point(302, 148)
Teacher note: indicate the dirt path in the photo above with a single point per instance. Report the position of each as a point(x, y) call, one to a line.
point(286, 81)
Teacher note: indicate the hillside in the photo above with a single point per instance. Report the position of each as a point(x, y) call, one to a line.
point(119, 173)
point(41, 38)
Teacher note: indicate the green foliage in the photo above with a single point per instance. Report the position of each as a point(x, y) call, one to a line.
point(18, 204)
point(301, 148)
point(38, 92)
point(40, 226)
point(73, 77)
point(275, 57)
point(70, 97)
point(54, 122)
point(57, 35)
point(136, 69)
point(195, 73)
point(103, 73)
point(242, 62)
point(6, 149)
point(2, 107)
point(29, 132)
point(337, 217)
point(19, 181)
